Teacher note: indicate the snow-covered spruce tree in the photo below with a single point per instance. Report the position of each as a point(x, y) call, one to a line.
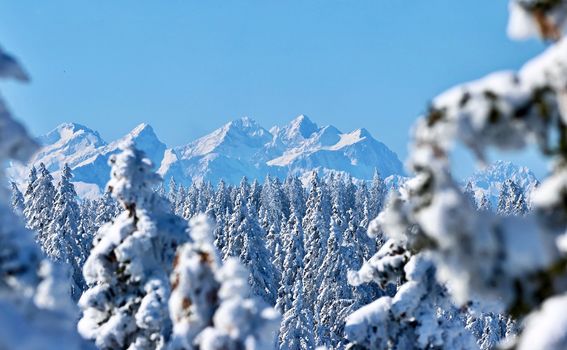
point(17, 199)
point(128, 270)
point(334, 296)
point(194, 296)
point(36, 310)
point(273, 211)
point(180, 201)
point(240, 321)
point(210, 304)
point(235, 239)
point(190, 202)
point(419, 316)
point(29, 193)
point(62, 241)
point(484, 203)
point(359, 247)
point(296, 196)
point(292, 267)
point(377, 194)
point(39, 209)
point(106, 209)
point(517, 261)
point(470, 194)
point(296, 330)
point(256, 257)
point(316, 235)
point(511, 200)
point(172, 193)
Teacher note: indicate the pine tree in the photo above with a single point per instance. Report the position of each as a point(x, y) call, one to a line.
point(469, 193)
point(511, 200)
point(377, 194)
point(39, 211)
point(420, 316)
point(240, 321)
point(106, 210)
point(315, 242)
point(358, 247)
point(255, 256)
point(172, 194)
point(296, 196)
point(128, 270)
point(296, 330)
point(17, 199)
point(293, 263)
point(235, 239)
point(334, 296)
point(194, 295)
point(484, 203)
point(180, 196)
point(62, 238)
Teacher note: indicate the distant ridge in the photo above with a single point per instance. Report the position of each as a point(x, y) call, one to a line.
point(239, 148)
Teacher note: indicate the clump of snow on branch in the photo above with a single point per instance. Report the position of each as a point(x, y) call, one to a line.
point(210, 305)
point(511, 261)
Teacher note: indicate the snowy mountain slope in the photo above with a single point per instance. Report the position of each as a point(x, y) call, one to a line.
point(489, 180)
point(240, 148)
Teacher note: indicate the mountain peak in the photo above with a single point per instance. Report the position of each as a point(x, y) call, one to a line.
point(66, 131)
point(142, 128)
point(301, 125)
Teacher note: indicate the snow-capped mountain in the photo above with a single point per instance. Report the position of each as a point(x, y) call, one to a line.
point(239, 148)
point(87, 154)
point(244, 148)
point(489, 180)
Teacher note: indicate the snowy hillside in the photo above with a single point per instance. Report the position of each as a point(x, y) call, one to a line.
point(239, 148)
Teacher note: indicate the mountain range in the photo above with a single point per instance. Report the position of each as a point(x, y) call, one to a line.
point(243, 148)
point(489, 180)
point(239, 148)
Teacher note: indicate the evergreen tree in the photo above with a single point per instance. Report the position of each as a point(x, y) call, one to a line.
point(292, 264)
point(315, 243)
point(420, 316)
point(195, 288)
point(234, 242)
point(255, 256)
point(240, 321)
point(469, 193)
point(377, 195)
point(511, 200)
point(172, 194)
point(334, 297)
point(358, 247)
point(106, 210)
point(39, 211)
point(180, 197)
point(296, 330)
point(17, 199)
point(484, 203)
point(62, 241)
point(128, 270)
point(296, 196)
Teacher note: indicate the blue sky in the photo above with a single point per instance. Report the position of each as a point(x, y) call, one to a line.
point(187, 67)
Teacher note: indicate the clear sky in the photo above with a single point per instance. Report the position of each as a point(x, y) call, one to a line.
point(188, 66)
